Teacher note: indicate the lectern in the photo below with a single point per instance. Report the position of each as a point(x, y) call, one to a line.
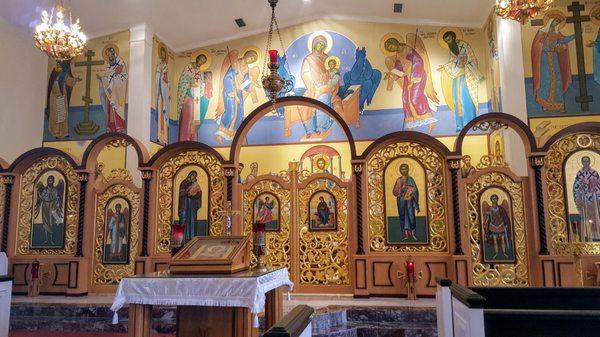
point(209, 304)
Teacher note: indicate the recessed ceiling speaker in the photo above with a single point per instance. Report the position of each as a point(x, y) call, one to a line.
point(397, 8)
point(240, 22)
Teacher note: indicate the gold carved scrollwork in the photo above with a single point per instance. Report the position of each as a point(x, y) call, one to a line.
point(485, 274)
point(436, 197)
point(278, 243)
point(113, 273)
point(323, 254)
point(25, 212)
point(165, 194)
point(556, 205)
point(117, 143)
point(119, 174)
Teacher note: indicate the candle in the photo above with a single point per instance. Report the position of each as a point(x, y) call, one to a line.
point(410, 268)
point(273, 56)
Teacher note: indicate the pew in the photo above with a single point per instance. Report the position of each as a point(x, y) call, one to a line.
point(527, 311)
point(5, 295)
point(297, 323)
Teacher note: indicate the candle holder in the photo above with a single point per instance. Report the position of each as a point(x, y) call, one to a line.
point(273, 83)
point(259, 245)
point(410, 278)
point(177, 231)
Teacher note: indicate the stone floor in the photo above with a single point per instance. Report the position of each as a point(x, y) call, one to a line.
point(336, 316)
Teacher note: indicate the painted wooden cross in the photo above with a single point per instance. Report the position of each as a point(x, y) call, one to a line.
point(87, 126)
point(577, 19)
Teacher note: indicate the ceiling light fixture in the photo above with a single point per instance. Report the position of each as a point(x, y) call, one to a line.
point(521, 10)
point(57, 38)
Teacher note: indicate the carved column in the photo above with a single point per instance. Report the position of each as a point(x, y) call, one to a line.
point(454, 165)
point(82, 177)
point(8, 184)
point(537, 162)
point(358, 169)
point(229, 175)
point(147, 179)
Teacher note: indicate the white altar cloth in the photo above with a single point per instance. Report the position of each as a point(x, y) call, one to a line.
point(172, 290)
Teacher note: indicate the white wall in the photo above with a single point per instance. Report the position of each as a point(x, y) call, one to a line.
point(23, 72)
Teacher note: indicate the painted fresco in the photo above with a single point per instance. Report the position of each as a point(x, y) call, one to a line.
point(497, 230)
point(267, 210)
point(406, 202)
point(116, 232)
point(322, 215)
point(191, 193)
point(582, 188)
point(493, 65)
point(87, 96)
point(562, 68)
point(48, 220)
point(423, 79)
point(162, 80)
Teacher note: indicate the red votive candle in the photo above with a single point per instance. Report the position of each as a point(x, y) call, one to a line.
point(273, 56)
point(410, 268)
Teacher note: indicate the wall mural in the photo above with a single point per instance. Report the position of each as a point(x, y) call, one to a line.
point(87, 96)
point(493, 67)
point(423, 79)
point(162, 63)
point(561, 52)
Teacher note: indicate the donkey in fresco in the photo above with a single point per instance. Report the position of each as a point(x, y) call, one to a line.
point(363, 74)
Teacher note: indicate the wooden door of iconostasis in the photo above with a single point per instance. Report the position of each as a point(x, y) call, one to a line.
point(496, 206)
point(308, 225)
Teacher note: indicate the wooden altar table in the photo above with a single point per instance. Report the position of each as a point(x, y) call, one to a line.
point(211, 305)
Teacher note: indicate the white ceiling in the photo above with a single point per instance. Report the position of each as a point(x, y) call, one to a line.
point(185, 24)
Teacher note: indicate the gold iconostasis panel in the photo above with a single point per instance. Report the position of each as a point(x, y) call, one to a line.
point(191, 192)
point(116, 234)
point(48, 203)
point(497, 225)
point(323, 233)
point(573, 193)
point(406, 199)
point(269, 202)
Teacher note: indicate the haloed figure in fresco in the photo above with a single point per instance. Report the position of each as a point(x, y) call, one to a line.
point(194, 92)
point(586, 193)
point(239, 79)
point(460, 80)
point(50, 205)
point(162, 96)
point(60, 86)
point(190, 201)
point(551, 69)
point(321, 81)
point(113, 89)
point(409, 66)
point(496, 226)
point(407, 201)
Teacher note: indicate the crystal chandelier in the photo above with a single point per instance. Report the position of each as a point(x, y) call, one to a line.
point(272, 82)
point(521, 10)
point(59, 40)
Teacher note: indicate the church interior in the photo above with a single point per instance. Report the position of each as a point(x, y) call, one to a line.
point(300, 168)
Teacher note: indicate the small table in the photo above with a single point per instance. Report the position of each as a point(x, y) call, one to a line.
point(211, 305)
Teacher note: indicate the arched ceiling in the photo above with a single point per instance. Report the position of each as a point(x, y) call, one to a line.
point(184, 24)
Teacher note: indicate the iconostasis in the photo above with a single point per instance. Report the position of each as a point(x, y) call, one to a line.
point(389, 145)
